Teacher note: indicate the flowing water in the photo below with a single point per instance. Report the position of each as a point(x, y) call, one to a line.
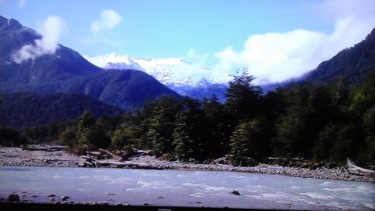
point(185, 188)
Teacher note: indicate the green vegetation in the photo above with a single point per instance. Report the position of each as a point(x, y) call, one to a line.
point(315, 122)
point(23, 110)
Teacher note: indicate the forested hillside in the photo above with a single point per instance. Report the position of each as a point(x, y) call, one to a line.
point(66, 71)
point(352, 64)
point(315, 122)
point(20, 110)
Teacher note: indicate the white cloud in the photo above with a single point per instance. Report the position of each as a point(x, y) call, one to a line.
point(197, 58)
point(21, 3)
point(274, 57)
point(51, 31)
point(108, 19)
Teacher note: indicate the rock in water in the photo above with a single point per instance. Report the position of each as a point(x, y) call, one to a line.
point(235, 193)
point(13, 197)
point(64, 198)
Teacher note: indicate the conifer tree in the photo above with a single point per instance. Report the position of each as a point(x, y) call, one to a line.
point(249, 140)
point(189, 133)
point(243, 97)
point(160, 124)
point(88, 132)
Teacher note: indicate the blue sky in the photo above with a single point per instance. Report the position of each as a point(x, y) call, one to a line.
point(275, 39)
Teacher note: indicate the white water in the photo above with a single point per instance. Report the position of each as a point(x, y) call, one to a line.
point(185, 188)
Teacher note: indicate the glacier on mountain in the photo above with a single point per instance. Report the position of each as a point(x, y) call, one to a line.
point(115, 61)
point(172, 72)
point(176, 73)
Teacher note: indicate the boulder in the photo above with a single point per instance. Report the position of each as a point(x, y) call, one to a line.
point(13, 197)
point(64, 198)
point(235, 193)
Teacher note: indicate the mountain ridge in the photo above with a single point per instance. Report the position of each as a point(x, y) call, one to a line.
point(167, 71)
point(20, 110)
point(351, 63)
point(66, 71)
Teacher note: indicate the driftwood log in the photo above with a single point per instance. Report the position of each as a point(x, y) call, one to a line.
point(47, 148)
point(95, 159)
point(354, 169)
point(113, 156)
point(116, 164)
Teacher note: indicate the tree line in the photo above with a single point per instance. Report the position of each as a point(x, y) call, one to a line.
point(320, 122)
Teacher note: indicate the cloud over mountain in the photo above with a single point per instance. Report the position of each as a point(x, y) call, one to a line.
point(108, 19)
point(51, 31)
point(279, 56)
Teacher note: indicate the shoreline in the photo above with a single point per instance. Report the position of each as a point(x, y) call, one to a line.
point(15, 156)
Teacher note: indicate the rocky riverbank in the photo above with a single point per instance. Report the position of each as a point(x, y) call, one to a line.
point(16, 156)
point(19, 157)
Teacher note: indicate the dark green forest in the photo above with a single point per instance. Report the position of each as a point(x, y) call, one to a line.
point(317, 122)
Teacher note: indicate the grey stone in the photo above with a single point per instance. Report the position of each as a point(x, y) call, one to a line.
point(235, 193)
point(64, 198)
point(13, 197)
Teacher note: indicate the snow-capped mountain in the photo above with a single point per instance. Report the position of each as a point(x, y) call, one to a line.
point(176, 73)
point(115, 61)
point(27, 65)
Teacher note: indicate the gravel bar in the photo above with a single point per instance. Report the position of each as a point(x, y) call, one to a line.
point(12, 156)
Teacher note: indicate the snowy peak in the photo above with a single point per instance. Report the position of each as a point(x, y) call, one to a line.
point(115, 61)
point(183, 77)
point(174, 72)
point(122, 66)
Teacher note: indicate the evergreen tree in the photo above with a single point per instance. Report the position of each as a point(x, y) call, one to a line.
point(85, 128)
point(189, 133)
point(160, 124)
point(369, 124)
point(88, 132)
point(309, 110)
point(68, 137)
point(127, 136)
point(249, 140)
point(347, 143)
point(218, 131)
point(290, 127)
point(243, 97)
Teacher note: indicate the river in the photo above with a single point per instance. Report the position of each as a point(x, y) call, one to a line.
point(184, 188)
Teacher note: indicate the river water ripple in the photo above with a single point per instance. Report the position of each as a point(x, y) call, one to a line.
point(184, 188)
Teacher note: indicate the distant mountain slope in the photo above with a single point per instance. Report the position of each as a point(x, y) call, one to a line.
point(181, 76)
point(119, 88)
point(66, 71)
point(30, 109)
point(352, 64)
point(64, 64)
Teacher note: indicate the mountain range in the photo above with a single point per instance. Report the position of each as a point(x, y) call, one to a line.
point(65, 79)
point(66, 71)
point(62, 83)
point(185, 78)
point(179, 75)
